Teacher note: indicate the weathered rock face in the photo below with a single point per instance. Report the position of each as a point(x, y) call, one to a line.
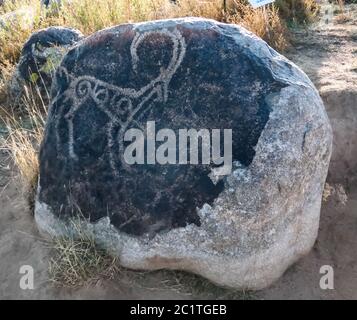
point(241, 231)
point(40, 56)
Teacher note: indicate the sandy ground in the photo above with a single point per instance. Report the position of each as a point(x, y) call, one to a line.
point(328, 54)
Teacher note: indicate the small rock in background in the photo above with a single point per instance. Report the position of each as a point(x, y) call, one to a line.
point(23, 18)
point(40, 56)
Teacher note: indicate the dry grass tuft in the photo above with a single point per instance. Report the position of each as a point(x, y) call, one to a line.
point(266, 23)
point(296, 12)
point(24, 137)
point(78, 261)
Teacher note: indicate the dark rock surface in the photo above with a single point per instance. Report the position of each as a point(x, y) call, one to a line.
point(191, 78)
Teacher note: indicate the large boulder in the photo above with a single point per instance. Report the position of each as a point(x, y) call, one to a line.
point(241, 229)
point(40, 56)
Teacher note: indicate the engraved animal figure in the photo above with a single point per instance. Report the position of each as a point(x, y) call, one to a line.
point(121, 105)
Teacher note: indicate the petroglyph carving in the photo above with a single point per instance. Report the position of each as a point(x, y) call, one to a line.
point(121, 105)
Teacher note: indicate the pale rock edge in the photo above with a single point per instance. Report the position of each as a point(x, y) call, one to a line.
point(266, 218)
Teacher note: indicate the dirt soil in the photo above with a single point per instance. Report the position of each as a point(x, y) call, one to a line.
point(328, 54)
